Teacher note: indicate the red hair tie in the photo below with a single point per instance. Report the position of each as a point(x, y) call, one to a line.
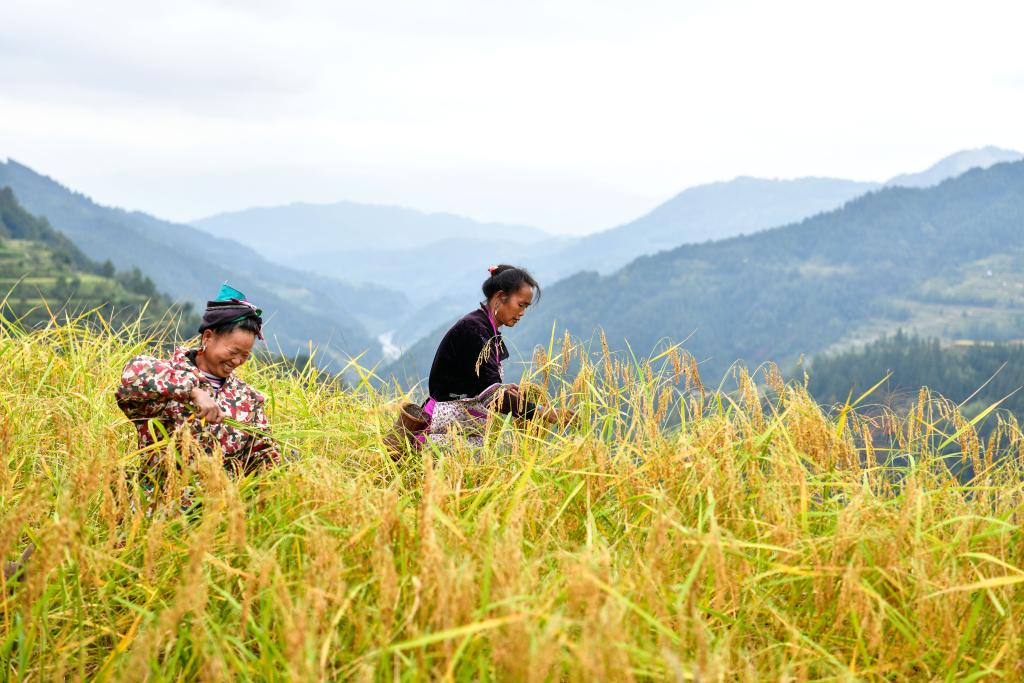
point(491, 269)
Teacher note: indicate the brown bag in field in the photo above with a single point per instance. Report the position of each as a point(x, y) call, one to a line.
point(412, 420)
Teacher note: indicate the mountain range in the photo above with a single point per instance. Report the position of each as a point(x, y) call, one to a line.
point(438, 260)
point(348, 226)
point(324, 237)
point(425, 271)
point(956, 164)
point(189, 264)
point(944, 261)
point(741, 206)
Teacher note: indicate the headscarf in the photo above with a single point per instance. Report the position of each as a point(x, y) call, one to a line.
point(230, 306)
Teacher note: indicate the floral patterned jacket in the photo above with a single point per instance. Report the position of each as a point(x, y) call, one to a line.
point(159, 390)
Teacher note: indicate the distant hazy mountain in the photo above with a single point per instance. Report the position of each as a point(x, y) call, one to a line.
point(285, 232)
point(706, 212)
point(945, 261)
point(440, 279)
point(740, 207)
point(439, 259)
point(955, 164)
point(381, 243)
point(190, 264)
point(428, 271)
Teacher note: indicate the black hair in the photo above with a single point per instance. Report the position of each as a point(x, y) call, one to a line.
point(508, 279)
point(229, 326)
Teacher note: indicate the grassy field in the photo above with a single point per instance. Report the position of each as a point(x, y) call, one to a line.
point(675, 533)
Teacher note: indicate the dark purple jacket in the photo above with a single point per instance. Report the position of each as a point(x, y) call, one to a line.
point(454, 374)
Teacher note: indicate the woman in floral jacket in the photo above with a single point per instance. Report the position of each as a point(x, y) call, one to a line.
point(196, 389)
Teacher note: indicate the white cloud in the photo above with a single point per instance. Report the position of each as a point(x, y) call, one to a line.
point(572, 115)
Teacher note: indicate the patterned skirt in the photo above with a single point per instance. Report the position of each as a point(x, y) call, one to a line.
point(463, 420)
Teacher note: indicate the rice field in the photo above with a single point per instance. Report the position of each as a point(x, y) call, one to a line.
point(675, 532)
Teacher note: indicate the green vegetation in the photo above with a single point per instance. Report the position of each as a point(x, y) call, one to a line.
point(443, 263)
point(189, 265)
point(979, 374)
point(751, 541)
point(43, 275)
point(919, 259)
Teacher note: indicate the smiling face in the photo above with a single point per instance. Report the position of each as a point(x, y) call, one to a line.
point(225, 352)
point(509, 307)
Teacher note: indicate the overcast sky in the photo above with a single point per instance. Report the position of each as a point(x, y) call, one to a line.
point(571, 115)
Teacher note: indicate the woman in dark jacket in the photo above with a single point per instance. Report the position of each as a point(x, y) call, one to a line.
point(466, 380)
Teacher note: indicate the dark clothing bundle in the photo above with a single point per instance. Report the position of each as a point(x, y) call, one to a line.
point(459, 372)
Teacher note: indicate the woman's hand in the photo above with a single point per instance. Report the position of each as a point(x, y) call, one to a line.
point(206, 407)
point(561, 417)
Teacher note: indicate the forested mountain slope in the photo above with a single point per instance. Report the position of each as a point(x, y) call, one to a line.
point(43, 274)
point(945, 261)
point(190, 265)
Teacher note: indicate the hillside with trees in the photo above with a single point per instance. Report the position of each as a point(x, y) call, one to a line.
point(44, 275)
point(743, 206)
point(975, 374)
point(437, 259)
point(189, 265)
point(944, 261)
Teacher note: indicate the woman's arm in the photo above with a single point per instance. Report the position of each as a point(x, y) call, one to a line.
point(149, 384)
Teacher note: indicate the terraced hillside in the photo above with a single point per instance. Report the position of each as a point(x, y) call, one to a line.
point(43, 275)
